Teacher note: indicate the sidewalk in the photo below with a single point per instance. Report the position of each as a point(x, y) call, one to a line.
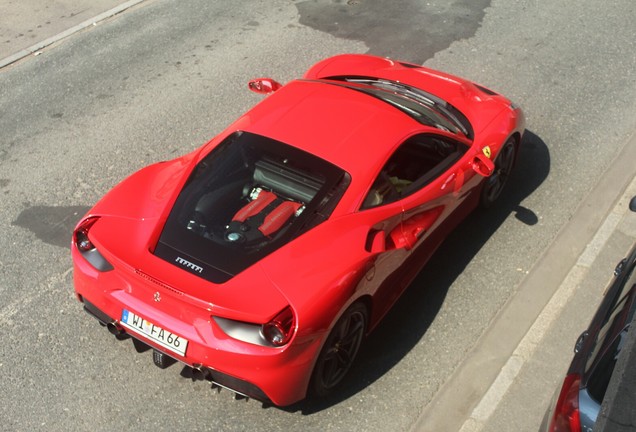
point(524, 404)
point(27, 26)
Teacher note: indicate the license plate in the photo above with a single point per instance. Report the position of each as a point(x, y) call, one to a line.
point(162, 337)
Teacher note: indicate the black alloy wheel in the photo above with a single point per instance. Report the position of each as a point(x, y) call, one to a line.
point(495, 184)
point(339, 351)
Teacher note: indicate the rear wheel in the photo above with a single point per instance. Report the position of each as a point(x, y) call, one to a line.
point(339, 351)
point(495, 184)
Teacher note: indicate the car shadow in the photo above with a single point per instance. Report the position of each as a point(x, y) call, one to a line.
point(410, 318)
point(51, 224)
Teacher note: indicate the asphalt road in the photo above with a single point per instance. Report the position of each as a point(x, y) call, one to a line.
point(159, 80)
point(28, 22)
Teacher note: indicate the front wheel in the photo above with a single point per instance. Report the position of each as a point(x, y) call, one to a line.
point(495, 184)
point(339, 351)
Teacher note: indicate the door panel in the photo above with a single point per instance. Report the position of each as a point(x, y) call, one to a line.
point(429, 177)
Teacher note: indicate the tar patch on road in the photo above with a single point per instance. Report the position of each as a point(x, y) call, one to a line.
point(409, 30)
point(52, 225)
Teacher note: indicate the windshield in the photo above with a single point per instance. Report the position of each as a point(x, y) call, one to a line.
point(245, 199)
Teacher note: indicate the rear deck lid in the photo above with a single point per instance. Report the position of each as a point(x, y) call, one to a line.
point(250, 196)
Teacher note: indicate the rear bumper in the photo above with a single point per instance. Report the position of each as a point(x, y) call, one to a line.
point(237, 385)
point(278, 375)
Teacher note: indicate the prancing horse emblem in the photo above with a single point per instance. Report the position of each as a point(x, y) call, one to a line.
point(157, 297)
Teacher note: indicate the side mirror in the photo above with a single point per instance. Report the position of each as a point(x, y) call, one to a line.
point(263, 85)
point(632, 204)
point(482, 165)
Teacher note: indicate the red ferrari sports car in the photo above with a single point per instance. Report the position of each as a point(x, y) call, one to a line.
point(262, 259)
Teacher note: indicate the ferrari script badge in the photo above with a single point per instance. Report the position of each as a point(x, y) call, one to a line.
point(486, 151)
point(189, 265)
point(157, 296)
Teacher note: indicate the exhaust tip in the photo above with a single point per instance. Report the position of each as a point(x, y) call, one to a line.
point(115, 329)
point(200, 373)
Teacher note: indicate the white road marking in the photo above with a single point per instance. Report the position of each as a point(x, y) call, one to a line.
point(35, 49)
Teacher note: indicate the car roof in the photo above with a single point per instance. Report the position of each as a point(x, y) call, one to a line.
point(352, 130)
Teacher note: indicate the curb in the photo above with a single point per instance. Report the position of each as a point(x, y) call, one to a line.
point(34, 49)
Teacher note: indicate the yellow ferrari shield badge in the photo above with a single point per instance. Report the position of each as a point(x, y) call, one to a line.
point(486, 151)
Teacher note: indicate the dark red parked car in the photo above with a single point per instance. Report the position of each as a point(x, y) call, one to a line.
point(576, 406)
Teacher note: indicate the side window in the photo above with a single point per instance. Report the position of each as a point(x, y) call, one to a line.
point(620, 314)
point(417, 162)
point(599, 379)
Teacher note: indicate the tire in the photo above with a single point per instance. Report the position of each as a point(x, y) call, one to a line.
point(496, 183)
point(340, 350)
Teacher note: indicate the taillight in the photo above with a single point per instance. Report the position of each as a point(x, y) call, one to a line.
point(80, 236)
point(566, 413)
point(86, 247)
point(279, 330)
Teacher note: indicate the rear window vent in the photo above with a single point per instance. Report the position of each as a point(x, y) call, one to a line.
point(486, 90)
point(410, 65)
point(161, 284)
